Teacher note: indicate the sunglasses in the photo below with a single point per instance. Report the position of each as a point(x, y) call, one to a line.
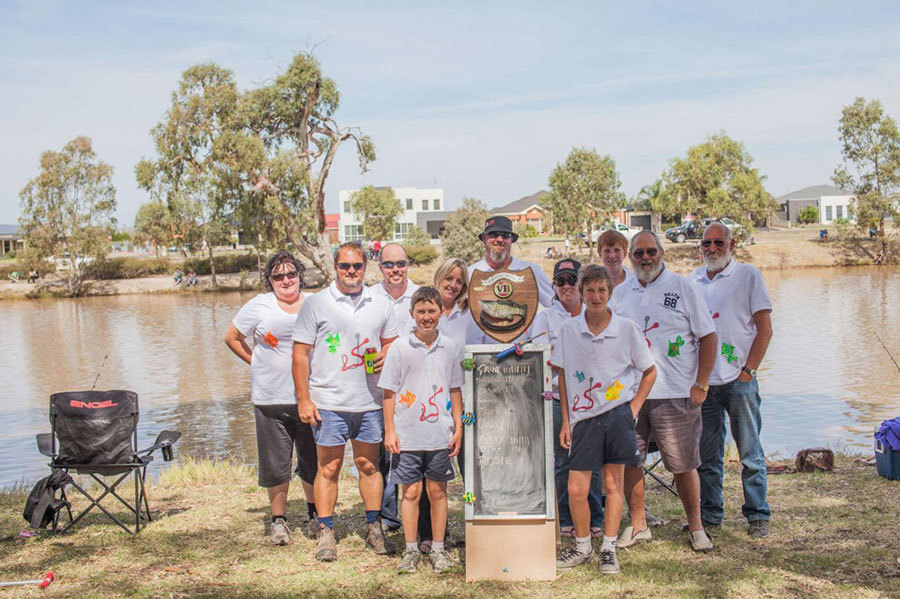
point(349, 265)
point(495, 234)
point(278, 277)
point(708, 242)
point(563, 281)
point(650, 252)
point(389, 264)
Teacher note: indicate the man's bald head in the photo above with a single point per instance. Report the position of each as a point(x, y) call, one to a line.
point(726, 232)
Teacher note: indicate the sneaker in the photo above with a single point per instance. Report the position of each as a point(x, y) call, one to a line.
point(651, 519)
point(312, 528)
point(409, 561)
point(596, 532)
point(758, 529)
point(425, 547)
point(375, 539)
point(326, 550)
point(280, 533)
point(701, 542)
point(706, 525)
point(571, 558)
point(609, 562)
point(629, 537)
point(567, 531)
point(440, 560)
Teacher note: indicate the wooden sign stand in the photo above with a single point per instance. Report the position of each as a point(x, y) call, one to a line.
point(511, 527)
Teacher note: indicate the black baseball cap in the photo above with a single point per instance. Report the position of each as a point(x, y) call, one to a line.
point(498, 223)
point(566, 267)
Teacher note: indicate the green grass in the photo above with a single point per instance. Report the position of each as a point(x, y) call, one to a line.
point(833, 535)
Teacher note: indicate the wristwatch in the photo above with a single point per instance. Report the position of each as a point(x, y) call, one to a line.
point(702, 387)
point(750, 371)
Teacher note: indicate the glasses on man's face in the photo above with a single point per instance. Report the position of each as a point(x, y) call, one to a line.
point(708, 242)
point(503, 234)
point(563, 281)
point(649, 251)
point(349, 265)
point(278, 277)
point(389, 264)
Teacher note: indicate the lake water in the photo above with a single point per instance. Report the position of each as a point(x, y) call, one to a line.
point(826, 379)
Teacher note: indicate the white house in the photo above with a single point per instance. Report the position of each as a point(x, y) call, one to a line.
point(831, 202)
point(419, 205)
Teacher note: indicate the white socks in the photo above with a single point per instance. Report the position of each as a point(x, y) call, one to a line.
point(608, 543)
point(437, 546)
point(412, 546)
point(583, 544)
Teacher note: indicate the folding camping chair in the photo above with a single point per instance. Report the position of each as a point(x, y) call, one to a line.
point(95, 433)
point(648, 470)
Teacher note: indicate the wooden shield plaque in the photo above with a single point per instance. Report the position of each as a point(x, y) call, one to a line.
point(503, 302)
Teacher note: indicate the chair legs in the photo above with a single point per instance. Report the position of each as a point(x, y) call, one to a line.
point(656, 477)
point(137, 508)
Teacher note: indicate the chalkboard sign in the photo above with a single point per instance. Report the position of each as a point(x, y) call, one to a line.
point(509, 447)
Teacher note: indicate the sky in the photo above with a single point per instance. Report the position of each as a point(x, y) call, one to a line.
point(482, 99)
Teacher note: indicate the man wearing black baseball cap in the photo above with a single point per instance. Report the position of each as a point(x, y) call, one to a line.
point(498, 237)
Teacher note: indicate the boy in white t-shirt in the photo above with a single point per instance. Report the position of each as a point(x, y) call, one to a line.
point(600, 356)
point(422, 405)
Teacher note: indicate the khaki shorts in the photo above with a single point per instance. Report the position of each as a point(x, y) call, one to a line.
point(675, 426)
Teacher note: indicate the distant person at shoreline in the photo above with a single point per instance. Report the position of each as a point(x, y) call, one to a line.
point(191, 280)
point(269, 320)
point(741, 309)
point(178, 276)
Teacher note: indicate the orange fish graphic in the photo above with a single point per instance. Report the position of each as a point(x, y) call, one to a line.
point(270, 339)
point(408, 399)
point(612, 393)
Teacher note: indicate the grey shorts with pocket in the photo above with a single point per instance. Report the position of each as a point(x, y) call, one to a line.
point(278, 432)
point(675, 426)
point(412, 466)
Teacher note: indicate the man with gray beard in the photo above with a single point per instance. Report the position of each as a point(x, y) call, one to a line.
point(681, 336)
point(737, 299)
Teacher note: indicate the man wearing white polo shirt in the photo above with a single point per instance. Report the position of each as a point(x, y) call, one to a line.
point(336, 395)
point(681, 336)
point(737, 299)
point(395, 285)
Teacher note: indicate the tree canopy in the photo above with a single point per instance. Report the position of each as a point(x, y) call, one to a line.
point(460, 237)
point(67, 209)
point(153, 223)
point(377, 209)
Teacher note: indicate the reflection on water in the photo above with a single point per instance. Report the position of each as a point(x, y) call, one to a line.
point(825, 380)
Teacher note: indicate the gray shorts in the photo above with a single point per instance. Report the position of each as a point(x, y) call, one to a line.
point(675, 426)
point(412, 466)
point(606, 438)
point(278, 432)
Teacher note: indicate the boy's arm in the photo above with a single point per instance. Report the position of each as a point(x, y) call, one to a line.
point(565, 435)
point(391, 441)
point(456, 410)
point(647, 380)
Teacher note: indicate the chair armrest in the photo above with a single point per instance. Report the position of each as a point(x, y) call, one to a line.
point(164, 440)
point(45, 444)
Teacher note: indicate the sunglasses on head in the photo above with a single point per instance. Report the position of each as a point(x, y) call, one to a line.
point(495, 234)
point(567, 280)
point(349, 265)
point(708, 242)
point(389, 264)
point(278, 277)
point(649, 251)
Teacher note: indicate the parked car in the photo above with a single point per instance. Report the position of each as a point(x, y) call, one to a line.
point(693, 229)
point(625, 230)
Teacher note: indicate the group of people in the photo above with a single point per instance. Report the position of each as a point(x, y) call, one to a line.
point(189, 280)
point(641, 356)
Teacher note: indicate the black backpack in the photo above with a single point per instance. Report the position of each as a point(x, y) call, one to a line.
point(42, 506)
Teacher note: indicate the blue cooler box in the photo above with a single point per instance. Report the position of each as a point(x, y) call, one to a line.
point(887, 461)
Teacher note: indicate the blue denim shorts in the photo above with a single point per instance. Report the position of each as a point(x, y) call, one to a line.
point(337, 428)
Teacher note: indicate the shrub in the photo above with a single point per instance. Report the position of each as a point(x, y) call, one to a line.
point(809, 214)
point(127, 268)
point(226, 263)
point(417, 236)
point(421, 254)
point(460, 238)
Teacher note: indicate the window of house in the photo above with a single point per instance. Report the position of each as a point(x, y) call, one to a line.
point(436, 203)
point(401, 230)
point(353, 232)
point(827, 214)
point(347, 207)
point(840, 211)
point(424, 204)
point(409, 204)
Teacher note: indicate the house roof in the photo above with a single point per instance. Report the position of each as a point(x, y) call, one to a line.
point(10, 230)
point(522, 204)
point(813, 193)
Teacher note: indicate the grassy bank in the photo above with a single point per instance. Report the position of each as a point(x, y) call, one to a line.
point(834, 535)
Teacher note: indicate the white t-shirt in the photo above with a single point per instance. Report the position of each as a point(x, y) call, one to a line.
point(602, 372)
point(421, 378)
point(551, 321)
point(400, 306)
point(270, 327)
point(733, 296)
point(545, 287)
point(339, 332)
point(456, 324)
point(672, 317)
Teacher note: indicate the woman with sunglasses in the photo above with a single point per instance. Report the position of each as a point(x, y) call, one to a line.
point(269, 319)
point(566, 304)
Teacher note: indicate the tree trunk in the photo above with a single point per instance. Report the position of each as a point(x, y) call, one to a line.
point(590, 241)
point(319, 254)
point(156, 248)
point(212, 268)
point(259, 270)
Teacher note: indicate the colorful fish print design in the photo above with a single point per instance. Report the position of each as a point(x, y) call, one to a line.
point(270, 339)
point(580, 405)
point(728, 352)
point(408, 398)
point(675, 347)
point(579, 375)
point(612, 392)
point(334, 342)
point(432, 413)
